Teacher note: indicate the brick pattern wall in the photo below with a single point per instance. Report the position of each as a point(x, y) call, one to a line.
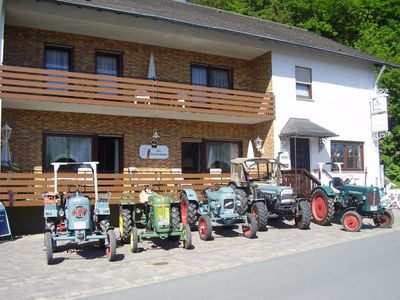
point(25, 47)
point(28, 127)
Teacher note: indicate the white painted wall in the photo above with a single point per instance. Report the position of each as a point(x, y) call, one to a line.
point(341, 88)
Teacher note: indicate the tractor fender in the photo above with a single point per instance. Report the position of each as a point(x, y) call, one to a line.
point(348, 209)
point(327, 190)
point(191, 196)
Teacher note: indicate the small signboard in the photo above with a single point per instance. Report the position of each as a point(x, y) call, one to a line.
point(4, 224)
point(379, 104)
point(380, 123)
point(150, 152)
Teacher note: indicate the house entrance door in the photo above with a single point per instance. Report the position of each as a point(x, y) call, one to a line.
point(301, 147)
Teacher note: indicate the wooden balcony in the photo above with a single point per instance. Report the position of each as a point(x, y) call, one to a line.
point(31, 88)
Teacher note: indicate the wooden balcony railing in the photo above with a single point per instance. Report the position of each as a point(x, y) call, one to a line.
point(21, 83)
point(25, 189)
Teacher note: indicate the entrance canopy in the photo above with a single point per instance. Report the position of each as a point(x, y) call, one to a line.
point(304, 128)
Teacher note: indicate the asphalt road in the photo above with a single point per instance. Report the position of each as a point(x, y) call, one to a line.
point(365, 269)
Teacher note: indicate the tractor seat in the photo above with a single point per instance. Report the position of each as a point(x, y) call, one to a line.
point(144, 197)
point(337, 183)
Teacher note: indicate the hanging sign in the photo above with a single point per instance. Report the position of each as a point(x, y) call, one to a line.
point(151, 152)
point(4, 224)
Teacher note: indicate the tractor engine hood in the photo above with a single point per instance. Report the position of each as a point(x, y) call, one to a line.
point(276, 190)
point(159, 200)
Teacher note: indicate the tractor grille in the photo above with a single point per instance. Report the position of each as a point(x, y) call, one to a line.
point(373, 198)
point(162, 212)
point(228, 204)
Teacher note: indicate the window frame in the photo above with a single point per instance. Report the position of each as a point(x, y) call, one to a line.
point(309, 84)
point(209, 68)
point(94, 139)
point(118, 55)
point(67, 48)
point(345, 156)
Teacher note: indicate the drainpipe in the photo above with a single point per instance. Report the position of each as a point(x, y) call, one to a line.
point(2, 16)
point(379, 77)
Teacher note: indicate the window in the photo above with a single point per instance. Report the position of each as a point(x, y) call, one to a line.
point(80, 148)
point(349, 153)
point(200, 156)
point(212, 76)
point(303, 82)
point(58, 58)
point(108, 63)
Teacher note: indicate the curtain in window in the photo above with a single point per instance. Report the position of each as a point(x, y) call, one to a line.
point(68, 149)
point(199, 76)
point(219, 155)
point(107, 65)
point(219, 78)
point(57, 59)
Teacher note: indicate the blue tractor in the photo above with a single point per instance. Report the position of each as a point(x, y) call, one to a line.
point(220, 206)
point(70, 217)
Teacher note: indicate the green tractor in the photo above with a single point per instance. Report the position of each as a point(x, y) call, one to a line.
point(155, 216)
point(352, 202)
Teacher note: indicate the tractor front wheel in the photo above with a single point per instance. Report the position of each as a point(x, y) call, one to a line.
point(112, 245)
point(322, 207)
point(125, 224)
point(260, 211)
point(352, 221)
point(242, 197)
point(205, 228)
point(48, 245)
point(250, 229)
point(187, 237)
point(134, 239)
point(303, 215)
point(386, 220)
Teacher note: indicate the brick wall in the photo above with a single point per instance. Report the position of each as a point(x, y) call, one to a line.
point(28, 127)
point(25, 47)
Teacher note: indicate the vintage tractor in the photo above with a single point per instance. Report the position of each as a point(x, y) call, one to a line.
point(71, 218)
point(256, 182)
point(155, 216)
point(220, 206)
point(353, 202)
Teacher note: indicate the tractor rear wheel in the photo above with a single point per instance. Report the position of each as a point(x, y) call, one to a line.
point(322, 207)
point(385, 221)
point(303, 216)
point(351, 221)
point(242, 197)
point(260, 211)
point(125, 224)
point(250, 230)
point(187, 237)
point(48, 245)
point(112, 245)
point(134, 239)
point(175, 218)
point(191, 212)
point(205, 228)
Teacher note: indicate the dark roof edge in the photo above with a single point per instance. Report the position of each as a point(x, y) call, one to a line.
point(247, 34)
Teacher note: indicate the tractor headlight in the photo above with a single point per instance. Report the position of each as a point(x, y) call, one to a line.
point(61, 212)
point(218, 205)
point(238, 203)
point(137, 210)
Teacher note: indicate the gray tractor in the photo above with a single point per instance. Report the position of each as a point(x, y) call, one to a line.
point(220, 206)
point(71, 218)
point(257, 183)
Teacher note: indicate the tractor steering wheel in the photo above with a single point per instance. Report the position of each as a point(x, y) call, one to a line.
point(78, 188)
point(215, 187)
point(148, 188)
point(346, 179)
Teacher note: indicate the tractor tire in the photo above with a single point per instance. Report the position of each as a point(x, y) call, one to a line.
point(125, 224)
point(260, 211)
point(250, 230)
point(386, 221)
point(104, 225)
point(242, 197)
point(48, 245)
point(303, 220)
point(187, 237)
point(134, 239)
point(322, 207)
point(175, 218)
point(205, 228)
point(112, 245)
point(351, 221)
point(192, 216)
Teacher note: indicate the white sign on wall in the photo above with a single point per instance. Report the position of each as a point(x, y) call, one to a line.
point(380, 123)
point(149, 152)
point(379, 104)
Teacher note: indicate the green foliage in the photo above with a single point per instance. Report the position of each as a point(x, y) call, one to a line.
point(372, 26)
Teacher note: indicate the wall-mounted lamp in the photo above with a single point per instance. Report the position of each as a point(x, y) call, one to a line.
point(155, 134)
point(259, 142)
